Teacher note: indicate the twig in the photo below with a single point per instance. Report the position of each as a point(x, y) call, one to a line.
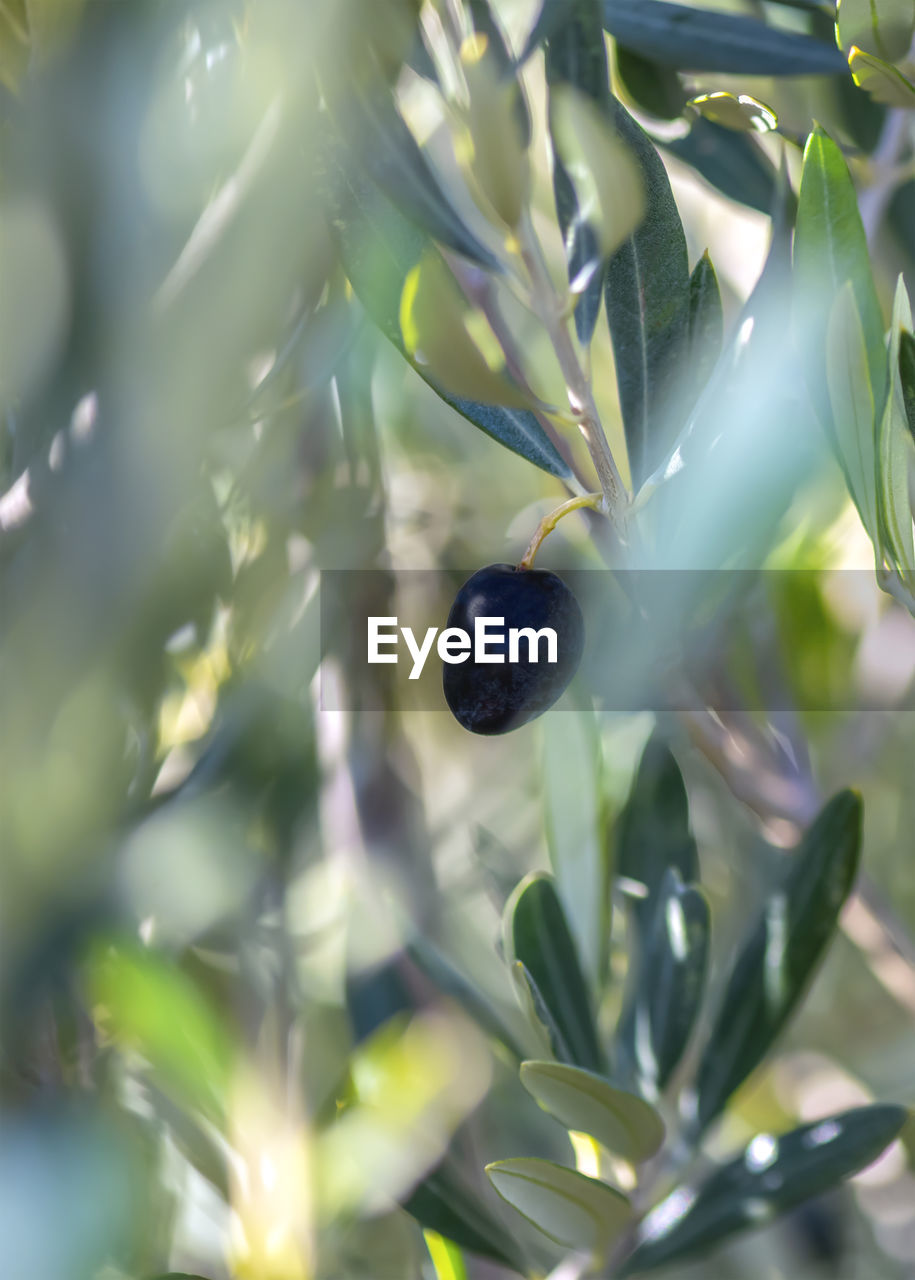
point(581, 398)
point(874, 200)
point(549, 523)
point(478, 287)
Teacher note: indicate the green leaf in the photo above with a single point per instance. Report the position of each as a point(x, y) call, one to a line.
point(625, 1124)
point(435, 326)
point(811, 6)
point(830, 248)
point(575, 55)
point(516, 429)
point(882, 81)
point(652, 87)
point(653, 830)
point(571, 787)
point(731, 162)
point(199, 1142)
point(443, 1202)
point(485, 23)
point(146, 1005)
point(30, 31)
point(538, 1014)
point(370, 124)
point(706, 324)
point(491, 146)
point(740, 380)
point(736, 111)
point(379, 248)
point(881, 27)
point(773, 1175)
point(647, 300)
point(907, 377)
point(895, 448)
point(672, 979)
point(571, 1209)
point(605, 175)
point(852, 403)
point(705, 40)
point(451, 982)
point(447, 1259)
point(537, 934)
point(774, 969)
point(551, 18)
point(652, 837)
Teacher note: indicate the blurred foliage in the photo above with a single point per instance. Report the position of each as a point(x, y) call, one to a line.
point(280, 983)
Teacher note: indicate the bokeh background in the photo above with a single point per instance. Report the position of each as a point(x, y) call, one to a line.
point(198, 862)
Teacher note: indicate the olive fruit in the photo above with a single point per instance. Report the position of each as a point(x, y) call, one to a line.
point(494, 697)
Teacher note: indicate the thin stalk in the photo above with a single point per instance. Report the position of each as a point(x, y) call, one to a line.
point(549, 523)
point(549, 311)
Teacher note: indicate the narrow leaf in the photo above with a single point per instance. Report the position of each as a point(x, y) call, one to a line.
point(882, 81)
point(537, 934)
point(493, 151)
point(576, 56)
point(379, 248)
point(516, 429)
point(605, 175)
point(451, 982)
point(706, 324)
point(653, 832)
point(446, 1257)
point(812, 6)
point(895, 448)
point(881, 27)
point(852, 403)
point(652, 837)
point(652, 87)
point(369, 122)
point(571, 1209)
point(376, 994)
point(538, 1014)
point(737, 111)
point(572, 793)
point(444, 1202)
point(433, 315)
point(774, 969)
point(146, 1005)
point(731, 162)
point(830, 248)
point(707, 40)
point(647, 300)
point(773, 1175)
point(672, 978)
point(552, 16)
point(625, 1124)
point(485, 24)
point(907, 377)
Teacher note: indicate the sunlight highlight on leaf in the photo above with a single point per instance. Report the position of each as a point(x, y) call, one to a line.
point(572, 1209)
point(606, 176)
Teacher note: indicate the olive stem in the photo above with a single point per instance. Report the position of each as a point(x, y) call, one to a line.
point(581, 399)
point(549, 523)
point(888, 580)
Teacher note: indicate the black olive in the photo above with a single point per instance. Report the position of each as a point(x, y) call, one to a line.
point(496, 697)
